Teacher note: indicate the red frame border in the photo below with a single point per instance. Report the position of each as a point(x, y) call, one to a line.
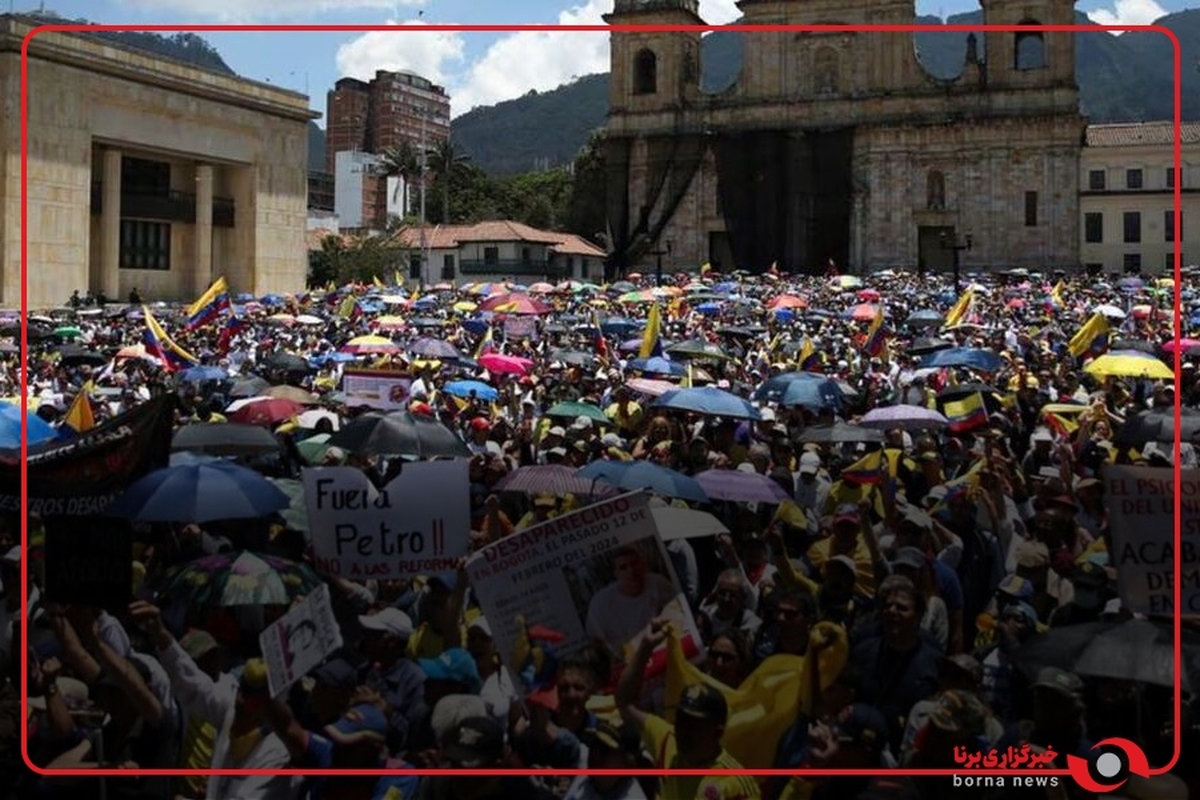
point(914, 28)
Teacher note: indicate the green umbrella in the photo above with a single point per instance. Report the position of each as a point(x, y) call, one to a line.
point(313, 448)
point(573, 410)
point(68, 332)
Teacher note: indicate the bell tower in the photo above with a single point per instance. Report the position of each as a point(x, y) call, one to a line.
point(1029, 59)
point(652, 71)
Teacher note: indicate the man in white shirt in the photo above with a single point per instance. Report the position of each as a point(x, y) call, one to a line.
point(620, 611)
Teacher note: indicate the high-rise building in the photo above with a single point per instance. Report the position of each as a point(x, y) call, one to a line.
point(393, 107)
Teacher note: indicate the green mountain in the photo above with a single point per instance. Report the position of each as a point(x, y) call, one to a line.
point(1125, 78)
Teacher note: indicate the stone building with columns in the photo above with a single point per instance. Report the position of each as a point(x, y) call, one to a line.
point(839, 145)
point(146, 173)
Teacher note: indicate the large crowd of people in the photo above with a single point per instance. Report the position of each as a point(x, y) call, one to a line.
point(984, 535)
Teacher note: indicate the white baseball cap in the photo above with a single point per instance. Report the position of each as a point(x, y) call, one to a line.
point(389, 620)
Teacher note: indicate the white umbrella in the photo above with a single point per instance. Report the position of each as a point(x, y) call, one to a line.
point(309, 419)
point(1112, 312)
point(684, 523)
point(309, 319)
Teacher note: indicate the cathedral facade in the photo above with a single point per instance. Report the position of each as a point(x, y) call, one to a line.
point(840, 146)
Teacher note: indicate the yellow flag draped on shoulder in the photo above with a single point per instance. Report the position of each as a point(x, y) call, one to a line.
point(768, 702)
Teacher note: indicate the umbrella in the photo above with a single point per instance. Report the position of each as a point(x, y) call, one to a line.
point(840, 433)
point(313, 448)
point(774, 389)
point(787, 301)
point(923, 319)
point(550, 479)
point(1130, 364)
point(1185, 344)
point(293, 393)
point(638, 475)
point(199, 493)
point(574, 358)
point(1159, 426)
point(73, 355)
point(740, 487)
point(310, 418)
point(972, 357)
point(514, 304)
point(68, 332)
point(699, 350)
point(619, 326)
point(651, 387)
point(1131, 650)
point(513, 365)
point(265, 411)
point(864, 312)
point(370, 345)
point(203, 373)
point(926, 345)
point(574, 410)
point(225, 439)
point(711, 401)
point(657, 366)
point(309, 319)
point(296, 514)
point(685, 523)
point(433, 348)
point(1142, 346)
point(37, 429)
point(249, 387)
point(1112, 312)
point(239, 579)
point(819, 393)
point(466, 388)
point(906, 417)
point(399, 434)
point(286, 362)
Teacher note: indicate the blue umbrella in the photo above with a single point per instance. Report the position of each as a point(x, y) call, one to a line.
point(727, 286)
point(709, 308)
point(325, 358)
point(199, 493)
point(272, 300)
point(203, 373)
point(475, 326)
point(465, 388)
point(658, 366)
point(619, 326)
point(816, 394)
point(38, 430)
point(775, 388)
point(243, 297)
point(784, 315)
point(709, 400)
point(971, 357)
point(635, 475)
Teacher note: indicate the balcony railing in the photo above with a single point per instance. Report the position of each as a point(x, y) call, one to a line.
point(170, 207)
point(512, 266)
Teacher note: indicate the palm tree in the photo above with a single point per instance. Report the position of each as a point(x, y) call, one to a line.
point(444, 162)
point(401, 161)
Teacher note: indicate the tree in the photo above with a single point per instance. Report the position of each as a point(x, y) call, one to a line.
point(587, 211)
point(444, 162)
point(360, 259)
point(401, 160)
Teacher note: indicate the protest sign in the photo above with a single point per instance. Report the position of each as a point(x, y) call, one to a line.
point(89, 562)
point(300, 640)
point(80, 476)
point(418, 524)
point(387, 390)
point(1141, 508)
point(599, 574)
point(517, 328)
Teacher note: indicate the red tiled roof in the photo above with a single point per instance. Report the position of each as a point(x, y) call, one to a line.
point(315, 237)
point(1141, 133)
point(450, 237)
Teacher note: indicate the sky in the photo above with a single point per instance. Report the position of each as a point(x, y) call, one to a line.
point(475, 68)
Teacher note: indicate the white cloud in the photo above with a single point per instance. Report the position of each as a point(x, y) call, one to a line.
point(436, 55)
point(1128, 12)
point(719, 12)
point(253, 10)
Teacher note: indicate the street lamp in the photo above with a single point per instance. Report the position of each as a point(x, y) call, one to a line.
point(956, 248)
point(659, 253)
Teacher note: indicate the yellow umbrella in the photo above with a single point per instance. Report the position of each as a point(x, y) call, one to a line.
point(1165, 283)
point(465, 305)
point(389, 321)
point(1130, 365)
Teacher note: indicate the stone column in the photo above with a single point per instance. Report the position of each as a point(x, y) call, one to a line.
point(202, 274)
point(110, 226)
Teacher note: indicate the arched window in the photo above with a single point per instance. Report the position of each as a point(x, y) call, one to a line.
point(645, 72)
point(825, 70)
point(1029, 48)
point(935, 191)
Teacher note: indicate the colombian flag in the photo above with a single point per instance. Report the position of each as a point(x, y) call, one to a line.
point(159, 344)
point(809, 359)
point(1056, 297)
point(209, 306)
point(873, 343)
point(966, 413)
point(867, 470)
point(485, 344)
point(79, 416)
point(960, 310)
point(651, 342)
point(599, 343)
point(1092, 338)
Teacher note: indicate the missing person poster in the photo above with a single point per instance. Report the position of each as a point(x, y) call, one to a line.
point(596, 575)
point(1141, 509)
point(386, 390)
point(418, 524)
point(300, 640)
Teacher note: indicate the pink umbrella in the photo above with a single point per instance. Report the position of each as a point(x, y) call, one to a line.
point(1185, 343)
point(651, 387)
point(513, 365)
point(787, 301)
point(863, 313)
point(514, 304)
point(868, 296)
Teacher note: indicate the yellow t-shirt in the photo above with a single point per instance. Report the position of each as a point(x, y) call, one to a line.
point(630, 421)
point(425, 642)
point(818, 554)
point(659, 737)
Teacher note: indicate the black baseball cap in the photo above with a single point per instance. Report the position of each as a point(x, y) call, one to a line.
point(701, 701)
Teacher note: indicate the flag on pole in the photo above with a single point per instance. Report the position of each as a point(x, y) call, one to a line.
point(1092, 338)
point(599, 343)
point(160, 345)
point(966, 413)
point(809, 359)
point(209, 305)
point(485, 344)
point(651, 341)
point(867, 470)
point(960, 310)
point(79, 416)
point(873, 342)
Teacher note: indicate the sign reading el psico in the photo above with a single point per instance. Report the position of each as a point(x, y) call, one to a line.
point(416, 525)
point(1141, 513)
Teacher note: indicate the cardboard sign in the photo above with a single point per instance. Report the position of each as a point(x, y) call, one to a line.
point(419, 524)
point(89, 562)
point(386, 390)
point(1141, 509)
point(300, 640)
point(599, 574)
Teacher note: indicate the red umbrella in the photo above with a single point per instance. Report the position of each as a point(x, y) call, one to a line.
point(514, 304)
point(513, 365)
point(868, 296)
point(267, 412)
point(787, 301)
point(863, 313)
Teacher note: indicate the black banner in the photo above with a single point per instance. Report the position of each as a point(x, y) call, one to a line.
point(81, 476)
point(89, 562)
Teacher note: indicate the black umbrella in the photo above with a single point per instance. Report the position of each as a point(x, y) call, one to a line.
point(923, 319)
point(286, 362)
point(840, 433)
point(1159, 426)
point(225, 439)
point(574, 358)
point(698, 349)
point(252, 386)
point(74, 355)
point(1133, 344)
point(399, 434)
point(926, 345)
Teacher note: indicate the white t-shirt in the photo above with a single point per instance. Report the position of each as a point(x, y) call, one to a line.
point(616, 619)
